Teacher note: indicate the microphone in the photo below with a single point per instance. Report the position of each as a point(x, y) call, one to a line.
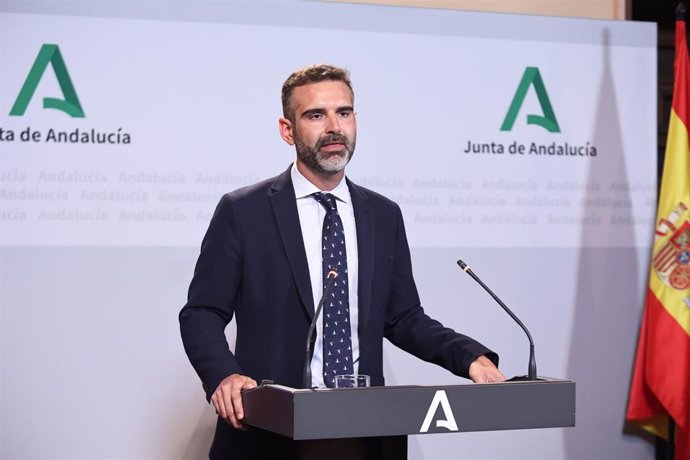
point(306, 379)
point(532, 367)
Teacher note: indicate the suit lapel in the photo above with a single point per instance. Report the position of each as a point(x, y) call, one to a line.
point(364, 221)
point(282, 197)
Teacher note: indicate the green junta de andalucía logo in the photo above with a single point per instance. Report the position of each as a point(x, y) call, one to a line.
point(532, 77)
point(49, 54)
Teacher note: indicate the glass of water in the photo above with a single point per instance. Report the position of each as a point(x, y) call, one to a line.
point(352, 381)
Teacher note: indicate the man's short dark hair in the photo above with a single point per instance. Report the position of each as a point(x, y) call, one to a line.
point(314, 73)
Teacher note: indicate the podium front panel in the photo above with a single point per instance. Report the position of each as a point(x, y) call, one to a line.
point(403, 410)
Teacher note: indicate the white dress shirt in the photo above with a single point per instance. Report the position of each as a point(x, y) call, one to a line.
point(311, 216)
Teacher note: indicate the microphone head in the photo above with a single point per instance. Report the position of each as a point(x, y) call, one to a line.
point(462, 264)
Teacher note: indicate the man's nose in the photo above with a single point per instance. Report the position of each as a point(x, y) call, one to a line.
point(332, 124)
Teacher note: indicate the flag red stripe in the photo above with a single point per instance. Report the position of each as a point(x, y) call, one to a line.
point(662, 370)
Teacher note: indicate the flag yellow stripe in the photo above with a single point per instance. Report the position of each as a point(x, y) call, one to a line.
point(675, 189)
point(675, 182)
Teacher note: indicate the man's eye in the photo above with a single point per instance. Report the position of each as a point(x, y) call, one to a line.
point(315, 116)
point(345, 113)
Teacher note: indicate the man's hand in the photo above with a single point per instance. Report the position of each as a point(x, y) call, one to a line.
point(482, 370)
point(227, 399)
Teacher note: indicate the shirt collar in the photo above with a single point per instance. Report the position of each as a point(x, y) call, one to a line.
point(304, 188)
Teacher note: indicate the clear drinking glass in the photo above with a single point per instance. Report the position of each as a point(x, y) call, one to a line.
point(352, 381)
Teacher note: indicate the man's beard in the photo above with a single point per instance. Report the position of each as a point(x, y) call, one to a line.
point(326, 162)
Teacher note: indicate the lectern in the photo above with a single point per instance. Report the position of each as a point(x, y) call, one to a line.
point(405, 410)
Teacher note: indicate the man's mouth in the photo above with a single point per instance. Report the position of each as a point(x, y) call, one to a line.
point(333, 144)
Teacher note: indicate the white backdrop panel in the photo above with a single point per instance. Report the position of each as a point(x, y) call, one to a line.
point(199, 104)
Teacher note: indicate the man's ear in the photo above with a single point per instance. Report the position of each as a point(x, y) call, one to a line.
point(286, 130)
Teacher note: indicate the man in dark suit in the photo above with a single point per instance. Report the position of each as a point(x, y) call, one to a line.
point(261, 261)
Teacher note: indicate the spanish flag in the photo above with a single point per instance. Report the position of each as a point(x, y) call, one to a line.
point(660, 388)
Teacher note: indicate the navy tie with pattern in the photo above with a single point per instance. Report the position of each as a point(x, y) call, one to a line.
point(337, 339)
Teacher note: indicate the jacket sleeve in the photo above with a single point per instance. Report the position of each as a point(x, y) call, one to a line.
point(212, 296)
point(409, 328)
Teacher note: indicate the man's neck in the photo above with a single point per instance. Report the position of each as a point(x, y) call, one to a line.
point(325, 182)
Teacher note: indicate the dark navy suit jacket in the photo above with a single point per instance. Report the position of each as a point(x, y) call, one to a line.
point(253, 265)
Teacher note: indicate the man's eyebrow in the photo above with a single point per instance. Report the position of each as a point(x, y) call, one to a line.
point(321, 111)
point(316, 111)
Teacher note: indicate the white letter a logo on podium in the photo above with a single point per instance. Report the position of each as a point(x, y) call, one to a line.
point(440, 399)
